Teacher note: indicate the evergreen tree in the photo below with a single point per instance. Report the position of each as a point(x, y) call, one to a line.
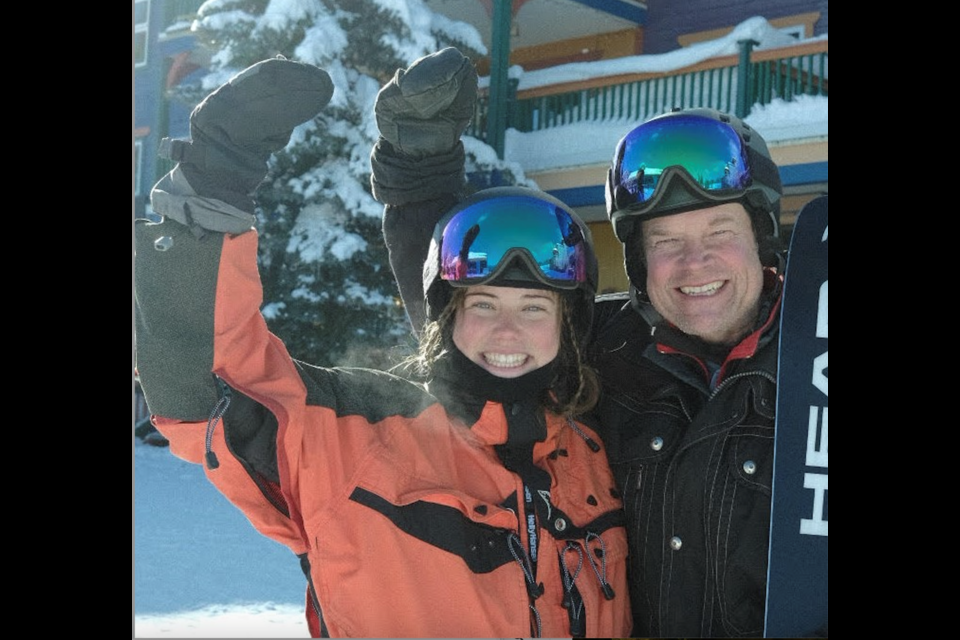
point(329, 293)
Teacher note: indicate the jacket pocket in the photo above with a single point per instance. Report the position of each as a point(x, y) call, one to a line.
point(445, 522)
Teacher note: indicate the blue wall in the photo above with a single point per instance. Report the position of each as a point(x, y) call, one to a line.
point(151, 111)
point(667, 20)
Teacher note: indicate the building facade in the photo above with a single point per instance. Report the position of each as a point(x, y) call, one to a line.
point(166, 54)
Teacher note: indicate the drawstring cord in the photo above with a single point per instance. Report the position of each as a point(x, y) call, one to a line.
point(572, 602)
point(573, 605)
point(218, 410)
point(569, 579)
point(590, 441)
point(533, 589)
point(539, 625)
point(601, 573)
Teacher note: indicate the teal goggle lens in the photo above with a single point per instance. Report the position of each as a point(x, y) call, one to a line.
point(480, 241)
point(711, 152)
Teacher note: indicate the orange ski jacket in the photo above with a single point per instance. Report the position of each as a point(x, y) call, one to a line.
point(406, 522)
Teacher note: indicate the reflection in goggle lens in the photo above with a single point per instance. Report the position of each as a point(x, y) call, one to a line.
point(485, 236)
point(710, 151)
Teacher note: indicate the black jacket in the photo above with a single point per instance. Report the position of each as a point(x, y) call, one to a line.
point(694, 463)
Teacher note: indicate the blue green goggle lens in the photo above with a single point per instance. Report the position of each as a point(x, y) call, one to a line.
point(710, 151)
point(481, 240)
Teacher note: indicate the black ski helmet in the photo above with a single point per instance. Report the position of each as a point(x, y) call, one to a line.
point(759, 188)
point(518, 267)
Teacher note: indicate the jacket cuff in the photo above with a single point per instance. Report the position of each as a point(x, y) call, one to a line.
point(175, 198)
point(398, 179)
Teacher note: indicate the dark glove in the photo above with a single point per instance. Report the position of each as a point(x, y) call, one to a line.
point(236, 128)
point(423, 110)
point(421, 113)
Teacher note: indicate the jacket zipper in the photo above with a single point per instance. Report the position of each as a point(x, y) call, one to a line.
point(218, 410)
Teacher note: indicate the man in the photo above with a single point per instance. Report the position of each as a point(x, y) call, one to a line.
point(689, 367)
point(688, 358)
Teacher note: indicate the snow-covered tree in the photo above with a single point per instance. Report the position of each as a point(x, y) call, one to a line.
point(328, 289)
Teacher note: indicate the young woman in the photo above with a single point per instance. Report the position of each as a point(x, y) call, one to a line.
point(474, 504)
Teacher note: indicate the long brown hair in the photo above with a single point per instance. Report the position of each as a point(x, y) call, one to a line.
point(575, 388)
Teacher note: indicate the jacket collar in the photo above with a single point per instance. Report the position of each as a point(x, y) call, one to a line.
point(464, 387)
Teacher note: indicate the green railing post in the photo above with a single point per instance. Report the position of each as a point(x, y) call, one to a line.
point(499, 64)
point(514, 119)
point(743, 78)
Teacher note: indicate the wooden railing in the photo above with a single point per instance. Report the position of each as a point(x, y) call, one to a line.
point(719, 83)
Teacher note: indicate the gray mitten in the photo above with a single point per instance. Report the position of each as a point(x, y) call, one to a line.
point(236, 128)
point(421, 113)
point(424, 109)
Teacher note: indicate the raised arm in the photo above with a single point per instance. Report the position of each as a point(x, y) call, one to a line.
point(195, 272)
point(418, 162)
point(204, 354)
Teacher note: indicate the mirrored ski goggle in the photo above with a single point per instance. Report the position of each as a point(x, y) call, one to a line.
point(710, 151)
point(481, 240)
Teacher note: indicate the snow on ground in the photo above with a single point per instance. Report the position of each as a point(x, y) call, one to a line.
point(200, 569)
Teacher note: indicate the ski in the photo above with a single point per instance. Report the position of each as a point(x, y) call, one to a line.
point(797, 571)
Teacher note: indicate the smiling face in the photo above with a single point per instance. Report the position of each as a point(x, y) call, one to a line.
point(703, 271)
point(508, 331)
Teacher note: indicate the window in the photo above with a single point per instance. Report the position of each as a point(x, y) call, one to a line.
point(796, 31)
point(141, 20)
point(137, 165)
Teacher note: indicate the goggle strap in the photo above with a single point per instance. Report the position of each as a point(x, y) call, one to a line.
point(763, 170)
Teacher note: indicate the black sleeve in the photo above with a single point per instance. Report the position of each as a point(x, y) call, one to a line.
point(407, 230)
point(605, 307)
